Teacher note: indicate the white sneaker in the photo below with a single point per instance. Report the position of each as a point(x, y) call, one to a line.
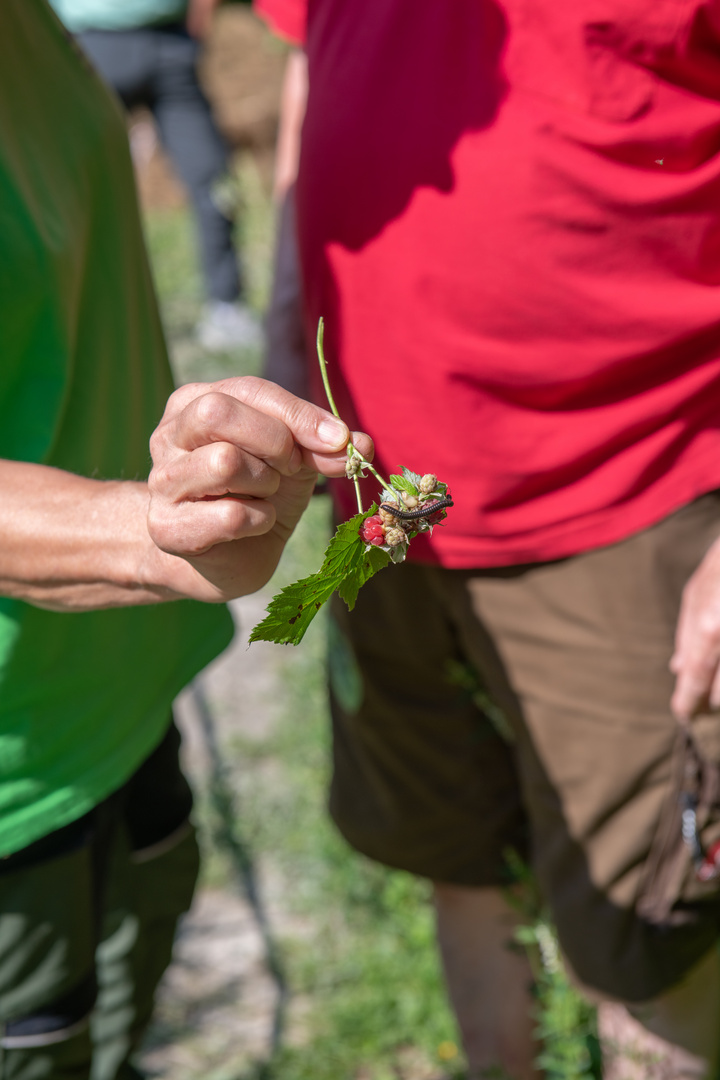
point(227, 325)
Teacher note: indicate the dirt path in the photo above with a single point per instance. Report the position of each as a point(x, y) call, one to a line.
point(224, 1001)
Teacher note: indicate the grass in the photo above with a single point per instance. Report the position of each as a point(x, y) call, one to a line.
point(368, 967)
point(366, 971)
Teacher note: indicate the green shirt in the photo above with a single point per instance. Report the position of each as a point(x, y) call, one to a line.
point(84, 377)
point(79, 15)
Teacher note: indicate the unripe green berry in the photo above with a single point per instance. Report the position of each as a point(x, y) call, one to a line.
point(352, 466)
point(394, 537)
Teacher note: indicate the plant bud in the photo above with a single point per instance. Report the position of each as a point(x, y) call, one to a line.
point(352, 466)
point(386, 517)
point(410, 501)
point(394, 537)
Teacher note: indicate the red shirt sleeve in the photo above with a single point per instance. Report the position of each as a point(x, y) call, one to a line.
point(286, 18)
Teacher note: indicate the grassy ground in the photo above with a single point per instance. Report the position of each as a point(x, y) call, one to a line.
point(365, 968)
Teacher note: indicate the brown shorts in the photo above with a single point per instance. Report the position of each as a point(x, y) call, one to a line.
point(573, 657)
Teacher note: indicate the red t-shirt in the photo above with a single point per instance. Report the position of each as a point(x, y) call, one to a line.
point(510, 219)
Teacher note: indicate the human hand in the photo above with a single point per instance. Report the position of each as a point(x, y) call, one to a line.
point(199, 17)
point(234, 465)
point(696, 660)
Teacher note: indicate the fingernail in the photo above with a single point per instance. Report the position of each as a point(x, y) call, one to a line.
point(332, 431)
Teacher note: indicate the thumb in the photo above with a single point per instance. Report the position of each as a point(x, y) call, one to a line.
point(312, 428)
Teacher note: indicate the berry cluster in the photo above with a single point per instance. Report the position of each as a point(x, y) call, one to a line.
point(404, 512)
point(372, 530)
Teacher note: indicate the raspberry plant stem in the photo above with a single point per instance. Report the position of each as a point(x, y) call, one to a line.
point(352, 450)
point(323, 368)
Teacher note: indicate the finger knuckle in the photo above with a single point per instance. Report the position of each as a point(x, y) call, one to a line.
point(709, 627)
point(223, 462)
point(160, 479)
point(183, 397)
point(250, 388)
point(157, 444)
point(230, 520)
point(211, 410)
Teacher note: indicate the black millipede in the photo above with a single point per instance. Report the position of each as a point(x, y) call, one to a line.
point(422, 511)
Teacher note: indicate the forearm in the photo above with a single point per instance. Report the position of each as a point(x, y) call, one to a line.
point(234, 464)
point(68, 543)
point(292, 113)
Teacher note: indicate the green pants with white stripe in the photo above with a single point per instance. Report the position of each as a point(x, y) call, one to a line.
point(87, 922)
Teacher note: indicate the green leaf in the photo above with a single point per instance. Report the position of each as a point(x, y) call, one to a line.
point(346, 567)
point(401, 483)
point(412, 477)
point(290, 612)
point(397, 554)
point(372, 560)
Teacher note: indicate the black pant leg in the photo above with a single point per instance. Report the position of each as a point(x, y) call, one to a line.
point(199, 152)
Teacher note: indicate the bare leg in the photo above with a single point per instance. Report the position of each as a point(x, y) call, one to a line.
point(674, 1037)
point(487, 982)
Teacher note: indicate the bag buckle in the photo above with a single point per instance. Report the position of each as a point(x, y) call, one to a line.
point(705, 863)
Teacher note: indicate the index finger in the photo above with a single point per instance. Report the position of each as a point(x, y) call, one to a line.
point(313, 428)
point(690, 694)
point(694, 663)
point(215, 417)
point(320, 434)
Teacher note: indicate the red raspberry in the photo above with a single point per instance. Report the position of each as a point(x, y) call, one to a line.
point(372, 531)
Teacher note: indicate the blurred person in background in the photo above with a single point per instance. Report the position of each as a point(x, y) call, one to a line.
point(102, 567)
point(508, 215)
point(148, 52)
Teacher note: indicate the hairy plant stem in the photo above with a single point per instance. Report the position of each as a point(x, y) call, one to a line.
point(351, 450)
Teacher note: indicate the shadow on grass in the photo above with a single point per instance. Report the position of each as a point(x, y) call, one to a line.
point(227, 839)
